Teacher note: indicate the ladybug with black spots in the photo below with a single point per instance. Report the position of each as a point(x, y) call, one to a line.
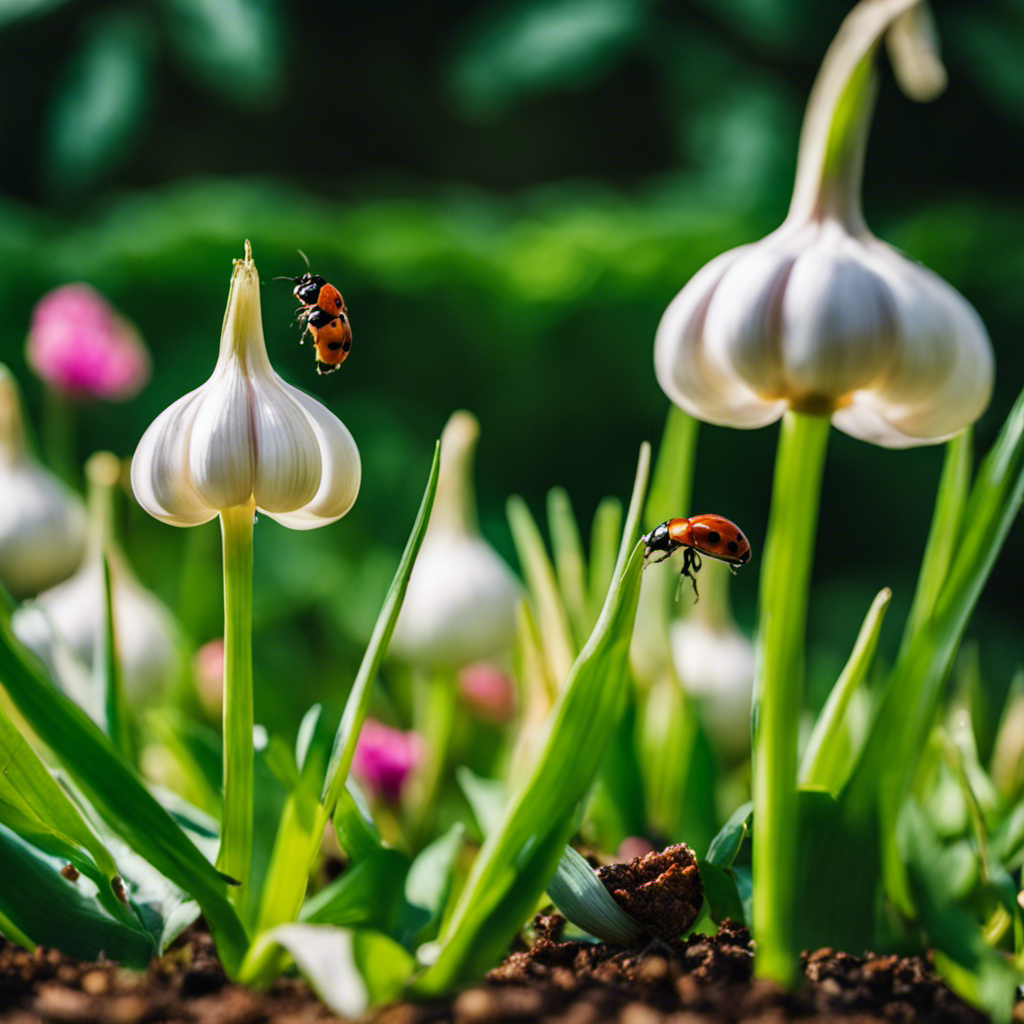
point(323, 311)
point(711, 535)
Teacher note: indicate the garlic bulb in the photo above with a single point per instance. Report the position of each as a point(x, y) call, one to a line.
point(246, 437)
point(460, 605)
point(145, 632)
point(821, 316)
point(42, 523)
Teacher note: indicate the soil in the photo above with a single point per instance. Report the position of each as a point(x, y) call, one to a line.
point(702, 980)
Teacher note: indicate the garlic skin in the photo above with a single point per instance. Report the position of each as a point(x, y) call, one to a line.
point(245, 436)
point(460, 605)
point(821, 316)
point(42, 522)
point(145, 632)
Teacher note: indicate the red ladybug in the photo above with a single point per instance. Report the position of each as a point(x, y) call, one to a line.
point(323, 311)
point(711, 535)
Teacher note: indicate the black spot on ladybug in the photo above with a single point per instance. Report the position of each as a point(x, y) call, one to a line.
point(337, 302)
point(334, 345)
point(733, 546)
point(714, 537)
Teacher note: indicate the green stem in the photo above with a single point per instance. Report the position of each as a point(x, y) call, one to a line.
point(236, 828)
point(436, 725)
point(59, 441)
point(785, 581)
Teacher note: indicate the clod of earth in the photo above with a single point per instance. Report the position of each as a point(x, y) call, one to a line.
point(661, 891)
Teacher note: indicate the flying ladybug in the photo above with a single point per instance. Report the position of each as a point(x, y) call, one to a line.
point(711, 535)
point(323, 311)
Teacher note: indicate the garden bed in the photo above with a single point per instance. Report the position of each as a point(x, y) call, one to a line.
point(703, 978)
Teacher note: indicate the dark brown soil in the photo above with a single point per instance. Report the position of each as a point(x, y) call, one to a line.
point(187, 985)
point(702, 980)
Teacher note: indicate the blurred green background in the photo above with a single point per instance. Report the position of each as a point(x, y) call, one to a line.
point(508, 195)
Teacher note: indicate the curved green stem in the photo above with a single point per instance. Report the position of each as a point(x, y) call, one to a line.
point(236, 828)
point(785, 581)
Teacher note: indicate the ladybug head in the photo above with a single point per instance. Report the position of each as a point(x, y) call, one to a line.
point(307, 288)
point(658, 540)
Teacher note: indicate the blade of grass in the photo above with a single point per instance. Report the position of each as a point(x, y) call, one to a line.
point(569, 564)
point(519, 857)
point(944, 535)
point(107, 671)
point(340, 761)
point(824, 764)
point(116, 792)
point(604, 539)
point(555, 633)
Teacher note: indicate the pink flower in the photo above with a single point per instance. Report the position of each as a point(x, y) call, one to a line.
point(488, 692)
point(385, 757)
point(82, 348)
point(208, 673)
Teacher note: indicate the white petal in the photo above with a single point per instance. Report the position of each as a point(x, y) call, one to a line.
point(839, 326)
point(160, 477)
point(942, 379)
point(222, 452)
point(288, 470)
point(340, 472)
point(687, 375)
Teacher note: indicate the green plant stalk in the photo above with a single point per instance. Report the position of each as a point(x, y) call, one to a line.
point(108, 672)
point(437, 724)
point(819, 767)
point(235, 856)
point(785, 581)
point(944, 534)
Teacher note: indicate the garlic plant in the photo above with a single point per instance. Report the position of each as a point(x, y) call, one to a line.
point(821, 316)
point(820, 322)
point(460, 606)
point(245, 441)
point(144, 629)
point(42, 523)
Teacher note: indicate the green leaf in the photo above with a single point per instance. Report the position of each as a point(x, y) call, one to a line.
point(980, 974)
point(101, 101)
point(367, 894)
point(53, 911)
point(351, 970)
point(944, 535)
point(357, 832)
point(721, 893)
point(569, 564)
point(726, 845)
point(107, 672)
point(555, 633)
point(233, 46)
point(582, 897)
point(521, 854)
point(359, 698)
point(604, 541)
point(12, 10)
point(487, 798)
point(26, 786)
point(827, 762)
point(428, 884)
point(116, 792)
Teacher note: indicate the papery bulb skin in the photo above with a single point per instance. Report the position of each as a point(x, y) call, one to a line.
point(385, 758)
point(42, 522)
point(460, 605)
point(821, 316)
point(83, 349)
point(145, 632)
point(246, 437)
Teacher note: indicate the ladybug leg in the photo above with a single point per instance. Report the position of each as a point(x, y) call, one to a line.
point(732, 568)
point(655, 561)
point(691, 565)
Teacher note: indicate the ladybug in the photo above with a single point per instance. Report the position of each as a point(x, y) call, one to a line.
point(323, 311)
point(711, 535)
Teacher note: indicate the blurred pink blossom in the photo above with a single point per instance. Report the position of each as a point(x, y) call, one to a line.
point(385, 757)
point(208, 673)
point(488, 691)
point(82, 348)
